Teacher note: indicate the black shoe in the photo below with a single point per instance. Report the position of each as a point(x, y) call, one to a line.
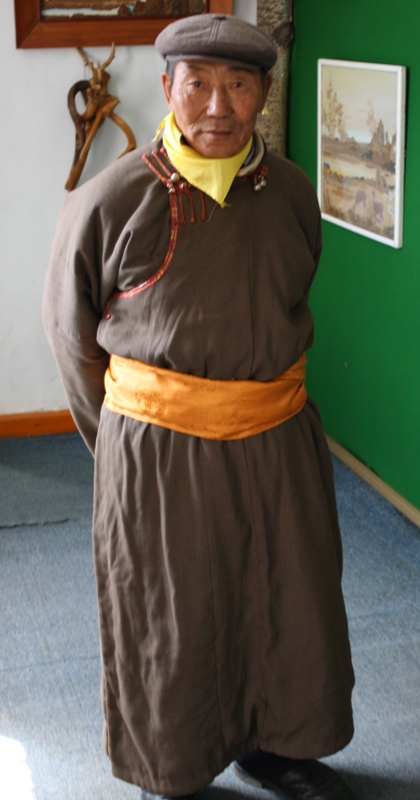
point(306, 780)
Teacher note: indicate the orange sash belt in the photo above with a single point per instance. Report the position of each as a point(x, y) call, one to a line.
point(203, 407)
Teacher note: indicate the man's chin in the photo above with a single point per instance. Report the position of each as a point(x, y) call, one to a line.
point(216, 146)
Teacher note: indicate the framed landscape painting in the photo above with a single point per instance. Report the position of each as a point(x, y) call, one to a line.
point(361, 130)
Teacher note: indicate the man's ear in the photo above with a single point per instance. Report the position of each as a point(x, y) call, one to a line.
point(166, 83)
point(267, 87)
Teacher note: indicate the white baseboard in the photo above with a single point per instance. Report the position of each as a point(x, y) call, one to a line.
point(411, 512)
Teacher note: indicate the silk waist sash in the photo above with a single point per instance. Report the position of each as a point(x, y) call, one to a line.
point(211, 409)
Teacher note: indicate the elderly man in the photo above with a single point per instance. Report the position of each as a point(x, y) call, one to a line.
point(179, 281)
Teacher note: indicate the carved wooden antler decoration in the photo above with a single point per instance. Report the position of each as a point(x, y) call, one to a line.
point(99, 106)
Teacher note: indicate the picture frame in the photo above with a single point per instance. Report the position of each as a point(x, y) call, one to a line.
point(34, 30)
point(361, 136)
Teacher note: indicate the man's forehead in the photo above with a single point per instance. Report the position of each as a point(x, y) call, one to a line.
point(197, 66)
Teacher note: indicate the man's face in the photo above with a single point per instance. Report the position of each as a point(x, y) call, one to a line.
point(215, 105)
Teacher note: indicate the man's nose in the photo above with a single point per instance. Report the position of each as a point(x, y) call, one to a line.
point(219, 103)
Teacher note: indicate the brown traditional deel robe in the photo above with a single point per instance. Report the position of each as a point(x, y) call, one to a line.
point(218, 563)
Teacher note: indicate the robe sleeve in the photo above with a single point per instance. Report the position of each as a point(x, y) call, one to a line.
point(316, 249)
point(75, 293)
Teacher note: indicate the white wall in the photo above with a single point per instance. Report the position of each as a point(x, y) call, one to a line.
point(246, 9)
point(36, 152)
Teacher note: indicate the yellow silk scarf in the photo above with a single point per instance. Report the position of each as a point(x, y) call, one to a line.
point(210, 409)
point(214, 176)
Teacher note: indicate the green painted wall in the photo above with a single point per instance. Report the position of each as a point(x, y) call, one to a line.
point(364, 369)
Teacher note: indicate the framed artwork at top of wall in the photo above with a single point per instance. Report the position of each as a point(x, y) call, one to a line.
point(361, 134)
point(79, 23)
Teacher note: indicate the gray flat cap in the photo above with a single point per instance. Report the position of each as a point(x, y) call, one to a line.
point(217, 37)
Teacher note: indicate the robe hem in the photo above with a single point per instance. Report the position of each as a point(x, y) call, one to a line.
point(306, 752)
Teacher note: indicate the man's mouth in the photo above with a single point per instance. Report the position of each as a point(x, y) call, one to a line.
point(212, 132)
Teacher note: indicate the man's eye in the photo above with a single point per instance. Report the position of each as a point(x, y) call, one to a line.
point(197, 84)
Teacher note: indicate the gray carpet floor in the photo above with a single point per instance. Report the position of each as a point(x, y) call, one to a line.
point(50, 715)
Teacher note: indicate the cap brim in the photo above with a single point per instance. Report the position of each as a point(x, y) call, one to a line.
point(215, 59)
